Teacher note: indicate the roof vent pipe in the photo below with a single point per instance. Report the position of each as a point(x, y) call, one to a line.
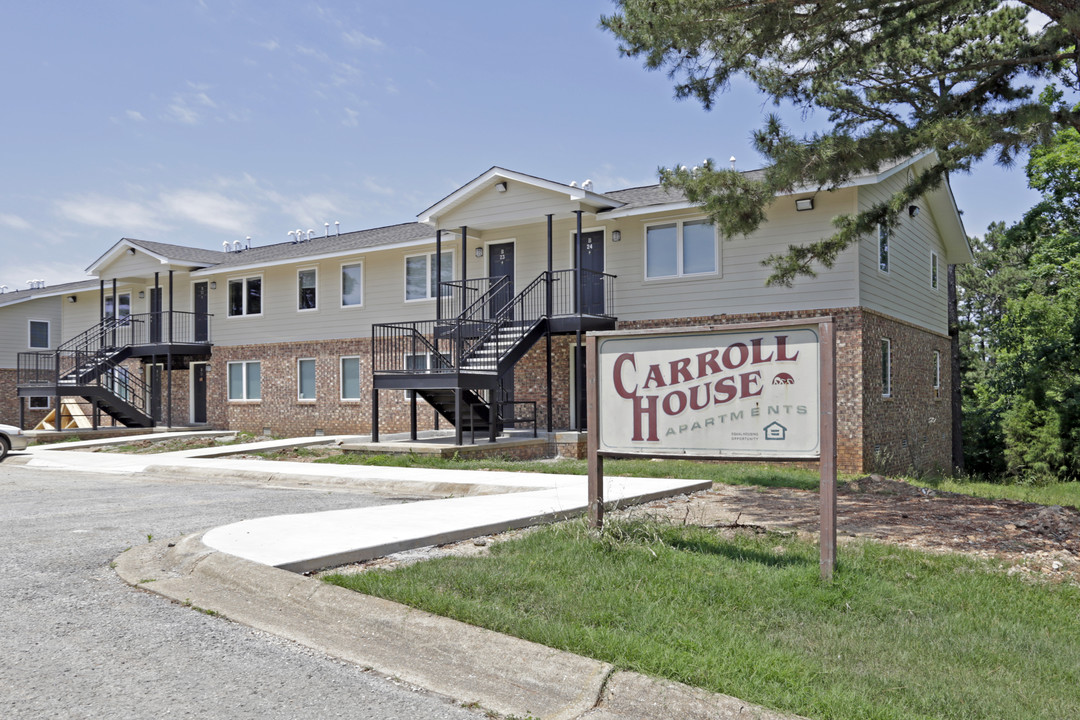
point(225, 245)
point(587, 185)
point(326, 234)
point(247, 242)
point(310, 233)
point(237, 246)
point(337, 227)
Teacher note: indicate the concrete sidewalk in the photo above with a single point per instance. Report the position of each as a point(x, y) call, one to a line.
point(242, 571)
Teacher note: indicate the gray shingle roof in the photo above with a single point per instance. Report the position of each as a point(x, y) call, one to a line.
point(182, 253)
point(345, 242)
point(14, 296)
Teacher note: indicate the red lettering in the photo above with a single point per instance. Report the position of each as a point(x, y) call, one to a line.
point(678, 395)
point(707, 365)
point(655, 377)
point(619, 387)
point(744, 354)
point(747, 381)
point(757, 359)
point(645, 408)
point(725, 391)
point(693, 393)
point(781, 350)
point(680, 371)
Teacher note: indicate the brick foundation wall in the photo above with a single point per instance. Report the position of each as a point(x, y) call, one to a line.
point(285, 415)
point(9, 402)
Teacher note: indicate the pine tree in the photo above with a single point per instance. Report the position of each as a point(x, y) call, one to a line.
point(896, 79)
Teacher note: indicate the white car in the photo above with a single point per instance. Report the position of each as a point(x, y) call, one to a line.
point(11, 438)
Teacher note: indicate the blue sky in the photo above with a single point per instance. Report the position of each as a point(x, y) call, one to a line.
point(196, 122)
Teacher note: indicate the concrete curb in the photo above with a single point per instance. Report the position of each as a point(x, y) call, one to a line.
point(469, 664)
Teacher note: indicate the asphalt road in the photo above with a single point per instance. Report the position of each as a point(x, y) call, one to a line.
point(76, 642)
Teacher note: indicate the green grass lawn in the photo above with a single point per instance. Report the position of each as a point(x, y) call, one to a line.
point(898, 634)
point(1061, 493)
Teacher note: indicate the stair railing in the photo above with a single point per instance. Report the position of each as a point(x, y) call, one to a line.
point(510, 324)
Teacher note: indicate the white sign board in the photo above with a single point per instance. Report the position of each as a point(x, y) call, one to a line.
point(711, 393)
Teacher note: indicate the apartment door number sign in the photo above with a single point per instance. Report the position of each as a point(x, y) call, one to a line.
point(759, 391)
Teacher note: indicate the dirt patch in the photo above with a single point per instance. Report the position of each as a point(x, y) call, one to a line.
point(1034, 540)
point(154, 446)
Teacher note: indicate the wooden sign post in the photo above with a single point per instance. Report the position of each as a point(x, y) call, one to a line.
point(750, 392)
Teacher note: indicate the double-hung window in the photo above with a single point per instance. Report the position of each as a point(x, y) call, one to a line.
point(350, 378)
point(680, 248)
point(306, 282)
point(39, 335)
point(352, 285)
point(245, 296)
point(934, 270)
point(937, 370)
point(420, 280)
point(245, 380)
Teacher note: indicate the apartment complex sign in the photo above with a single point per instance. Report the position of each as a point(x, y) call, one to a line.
point(742, 393)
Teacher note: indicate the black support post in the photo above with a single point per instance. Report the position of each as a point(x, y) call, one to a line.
point(550, 311)
point(579, 376)
point(374, 415)
point(438, 280)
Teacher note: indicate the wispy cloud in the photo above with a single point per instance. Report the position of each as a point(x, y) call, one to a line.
point(209, 209)
point(16, 273)
point(269, 45)
point(352, 118)
point(134, 115)
point(360, 40)
point(14, 222)
point(189, 107)
point(310, 211)
point(106, 212)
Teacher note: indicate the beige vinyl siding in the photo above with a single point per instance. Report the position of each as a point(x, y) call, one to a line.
point(282, 321)
point(15, 327)
point(520, 202)
point(904, 292)
point(85, 312)
point(739, 286)
point(128, 266)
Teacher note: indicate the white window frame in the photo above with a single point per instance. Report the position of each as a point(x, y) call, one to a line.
point(244, 381)
point(937, 369)
point(299, 379)
point(886, 368)
point(430, 256)
point(883, 248)
point(298, 289)
point(363, 282)
point(109, 300)
point(46, 398)
point(341, 378)
point(245, 279)
point(934, 273)
point(679, 223)
point(30, 334)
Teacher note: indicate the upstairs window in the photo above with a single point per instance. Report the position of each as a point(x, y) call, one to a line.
point(352, 285)
point(679, 249)
point(420, 280)
point(245, 296)
point(883, 248)
point(39, 334)
point(933, 270)
point(306, 281)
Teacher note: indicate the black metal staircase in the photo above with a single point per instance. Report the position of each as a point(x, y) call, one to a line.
point(90, 365)
point(470, 355)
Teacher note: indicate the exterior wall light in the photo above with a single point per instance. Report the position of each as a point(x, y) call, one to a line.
point(72, 298)
point(913, 210)
point(142, 294)
point(616, 235)
point(479, 252)
point(500, 187)
point(804, 204)
point(213, 284)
